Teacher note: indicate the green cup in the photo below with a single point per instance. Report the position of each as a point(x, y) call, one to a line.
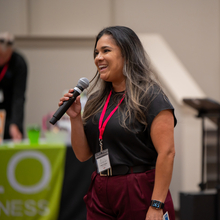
point(33, 133)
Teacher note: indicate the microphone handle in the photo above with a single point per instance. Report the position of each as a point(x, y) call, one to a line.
point(63, 108)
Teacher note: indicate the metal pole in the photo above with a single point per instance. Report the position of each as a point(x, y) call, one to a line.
point(218, 170)
point(202, 185)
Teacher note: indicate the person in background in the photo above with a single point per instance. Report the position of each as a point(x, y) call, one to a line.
point(13, 78)
point(128, 129)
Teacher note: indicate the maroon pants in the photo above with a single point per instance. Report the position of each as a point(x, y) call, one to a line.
point(122, 197)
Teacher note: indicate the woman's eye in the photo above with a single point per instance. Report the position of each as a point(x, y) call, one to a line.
point(106, 50)
point(96, 53)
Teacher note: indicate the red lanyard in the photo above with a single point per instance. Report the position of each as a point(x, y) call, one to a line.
point(102, 126)
point(2, 74)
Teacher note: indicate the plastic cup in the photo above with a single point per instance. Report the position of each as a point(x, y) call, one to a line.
point(33, 134)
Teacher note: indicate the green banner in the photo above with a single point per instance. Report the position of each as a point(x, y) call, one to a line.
point(31, 181)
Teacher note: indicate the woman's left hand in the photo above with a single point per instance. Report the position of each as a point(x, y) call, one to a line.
point(154, 214)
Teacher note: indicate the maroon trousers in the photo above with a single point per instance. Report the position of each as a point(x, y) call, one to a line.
point(124, 197)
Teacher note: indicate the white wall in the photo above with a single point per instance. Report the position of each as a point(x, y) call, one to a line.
point(57, 39)
point(14, 16)
point(69, 17)
point(191, 29)
point(55, 65)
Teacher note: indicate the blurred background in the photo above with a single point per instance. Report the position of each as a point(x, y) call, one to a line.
point(57, 39)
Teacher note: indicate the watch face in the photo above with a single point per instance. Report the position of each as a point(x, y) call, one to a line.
point(156, 204)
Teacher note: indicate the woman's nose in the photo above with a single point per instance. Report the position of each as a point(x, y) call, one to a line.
point(99, 56)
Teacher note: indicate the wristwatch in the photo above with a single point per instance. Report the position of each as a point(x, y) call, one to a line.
point(157, 204)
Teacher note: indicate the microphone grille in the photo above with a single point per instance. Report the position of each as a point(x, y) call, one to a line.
point(83, 82)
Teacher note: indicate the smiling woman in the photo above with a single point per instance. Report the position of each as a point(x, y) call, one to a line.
point(110, 62)
point(127, 127)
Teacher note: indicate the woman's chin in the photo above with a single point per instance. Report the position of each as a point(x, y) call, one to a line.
point(103, 77)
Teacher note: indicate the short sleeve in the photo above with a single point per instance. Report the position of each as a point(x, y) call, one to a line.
point(158, 103)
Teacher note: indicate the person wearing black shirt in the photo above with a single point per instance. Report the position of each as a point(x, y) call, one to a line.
point(13, 77)
point(128, 128)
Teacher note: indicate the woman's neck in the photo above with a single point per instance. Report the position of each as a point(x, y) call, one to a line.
point(119, 87)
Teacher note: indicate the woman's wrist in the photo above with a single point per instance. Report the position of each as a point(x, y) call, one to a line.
point(75, 119)
point(157, 204)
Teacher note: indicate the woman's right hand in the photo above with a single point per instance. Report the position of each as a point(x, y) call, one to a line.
point(75, 109)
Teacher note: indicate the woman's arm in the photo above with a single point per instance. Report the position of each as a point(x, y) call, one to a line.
point(78, 138)
point(162, 135)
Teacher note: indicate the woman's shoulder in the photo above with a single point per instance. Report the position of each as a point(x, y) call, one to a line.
point(156, 98)
point(155, 89)
point(151, 92)
point(157, 102)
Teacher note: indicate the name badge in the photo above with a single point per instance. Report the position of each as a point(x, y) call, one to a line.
point(166, 216)
point(102, 160)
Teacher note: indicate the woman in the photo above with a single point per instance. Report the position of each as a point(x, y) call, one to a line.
point(128, 128)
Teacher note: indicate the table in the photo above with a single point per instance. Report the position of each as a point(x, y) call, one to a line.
point(76, 183)
point(44, 181)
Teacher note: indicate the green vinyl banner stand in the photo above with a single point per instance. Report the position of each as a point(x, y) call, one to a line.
point(31, 181)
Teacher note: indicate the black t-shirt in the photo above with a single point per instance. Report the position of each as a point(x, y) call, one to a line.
point(124, 146)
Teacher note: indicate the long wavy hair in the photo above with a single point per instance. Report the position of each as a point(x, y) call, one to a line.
point(139, 78)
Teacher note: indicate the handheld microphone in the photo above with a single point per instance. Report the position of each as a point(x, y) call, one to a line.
point(83, 83)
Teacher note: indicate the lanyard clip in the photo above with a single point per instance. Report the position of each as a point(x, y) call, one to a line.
point(101, 144)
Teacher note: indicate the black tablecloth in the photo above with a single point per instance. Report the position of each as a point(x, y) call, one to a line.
point(77, 178)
